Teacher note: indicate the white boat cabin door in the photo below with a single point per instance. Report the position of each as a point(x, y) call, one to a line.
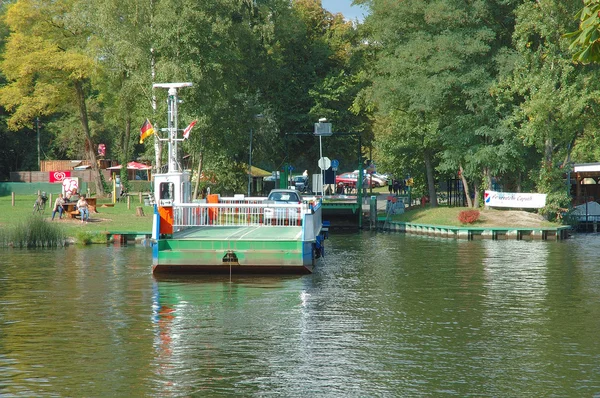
point(172, 188)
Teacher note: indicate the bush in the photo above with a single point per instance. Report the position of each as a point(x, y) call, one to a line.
point(468, 216)
point(88, 237)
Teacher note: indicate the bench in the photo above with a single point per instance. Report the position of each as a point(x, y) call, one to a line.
point(73, 213)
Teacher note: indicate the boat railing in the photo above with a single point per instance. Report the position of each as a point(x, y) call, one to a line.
point(243, 214)
point(241, 199)
point(584, 218)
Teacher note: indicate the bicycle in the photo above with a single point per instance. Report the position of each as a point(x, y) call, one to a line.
point(40, 203)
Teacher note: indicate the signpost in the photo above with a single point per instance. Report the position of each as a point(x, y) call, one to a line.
point(335, 164)
point(324, 163)
point(322, 129)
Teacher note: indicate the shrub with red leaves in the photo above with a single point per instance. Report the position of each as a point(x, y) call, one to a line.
point(468, 216)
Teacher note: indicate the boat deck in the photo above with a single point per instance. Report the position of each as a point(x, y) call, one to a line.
point(241, 233)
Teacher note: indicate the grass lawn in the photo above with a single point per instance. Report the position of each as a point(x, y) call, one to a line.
point(108, 219)
point(448, 216)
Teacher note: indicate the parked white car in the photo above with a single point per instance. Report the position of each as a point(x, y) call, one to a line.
point(282, 215)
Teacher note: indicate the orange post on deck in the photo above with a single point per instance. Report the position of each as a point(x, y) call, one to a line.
point(166, 220)
point(213, 212)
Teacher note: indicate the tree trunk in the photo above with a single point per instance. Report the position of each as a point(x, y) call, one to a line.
point(488, 178)
point(465, 186)
point(158, 149)
point(89, 146)
point(125, 155)
point(548, 145)
point(200, 158)
point(430, 180)
point(475, 191)
point(126, 140)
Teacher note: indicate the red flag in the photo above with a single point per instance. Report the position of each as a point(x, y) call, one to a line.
point(186, 132)
point(146, 131)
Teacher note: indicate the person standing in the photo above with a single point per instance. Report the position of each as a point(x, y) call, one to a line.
point(58, 206)
point(390, 182)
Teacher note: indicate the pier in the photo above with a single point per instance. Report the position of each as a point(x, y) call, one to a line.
point(475, 233)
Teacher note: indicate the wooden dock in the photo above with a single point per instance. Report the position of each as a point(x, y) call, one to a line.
point(124, 237)
point(475, 233)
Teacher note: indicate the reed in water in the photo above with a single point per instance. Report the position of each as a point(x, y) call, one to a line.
point(34, 232)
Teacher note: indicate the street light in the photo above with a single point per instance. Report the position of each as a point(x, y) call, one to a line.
point(257, 116)
point(322, 129)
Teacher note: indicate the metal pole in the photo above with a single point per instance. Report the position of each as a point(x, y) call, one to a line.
point(250, 165)
point(322, 165)
point(37, 119)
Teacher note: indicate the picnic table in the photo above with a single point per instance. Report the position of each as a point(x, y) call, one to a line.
point(72, 212)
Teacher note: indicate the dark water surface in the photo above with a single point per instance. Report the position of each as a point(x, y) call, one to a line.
point(386, 315)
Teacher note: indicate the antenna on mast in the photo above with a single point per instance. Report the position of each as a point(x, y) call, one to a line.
point(172, 120)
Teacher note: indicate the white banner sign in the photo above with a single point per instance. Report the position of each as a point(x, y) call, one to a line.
point(519, 200)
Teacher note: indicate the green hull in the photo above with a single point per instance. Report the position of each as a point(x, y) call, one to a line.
point(235, 249)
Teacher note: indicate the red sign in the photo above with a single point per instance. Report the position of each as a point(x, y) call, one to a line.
point(59, 176)
point(101, 150)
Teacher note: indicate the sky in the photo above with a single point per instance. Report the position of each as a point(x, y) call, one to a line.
point(345, 7)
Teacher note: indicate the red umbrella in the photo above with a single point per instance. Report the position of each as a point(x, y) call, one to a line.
point(131, 166)
point(138, 166)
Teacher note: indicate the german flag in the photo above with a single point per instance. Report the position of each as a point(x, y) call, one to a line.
point(146, 131)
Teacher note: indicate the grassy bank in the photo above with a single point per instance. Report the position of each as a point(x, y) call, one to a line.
point(448, 216)
point(115, 218)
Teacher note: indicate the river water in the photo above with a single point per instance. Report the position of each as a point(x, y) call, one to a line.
point(385, 315)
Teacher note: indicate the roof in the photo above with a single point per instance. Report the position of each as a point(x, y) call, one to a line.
point(257, 172)
point(583, 167)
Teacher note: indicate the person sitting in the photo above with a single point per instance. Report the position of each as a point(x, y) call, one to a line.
point(71, 195)
point(82, 206)
point(58, 206)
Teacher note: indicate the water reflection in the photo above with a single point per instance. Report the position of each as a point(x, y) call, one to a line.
point(386, 315)
point(191, 332)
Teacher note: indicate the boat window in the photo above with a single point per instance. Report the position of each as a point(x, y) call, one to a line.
point(166, 190)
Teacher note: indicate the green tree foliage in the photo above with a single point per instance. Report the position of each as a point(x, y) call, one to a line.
point(434, 72)
point(49, 67)
point(586, 39)
point(555, 99)
point(125, 56)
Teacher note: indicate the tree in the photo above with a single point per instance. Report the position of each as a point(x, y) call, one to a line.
point(49, 67)
point(555, 97)
point(433, 71)
point(125, 56)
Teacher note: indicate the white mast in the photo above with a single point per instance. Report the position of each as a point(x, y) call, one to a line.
point(172, 122)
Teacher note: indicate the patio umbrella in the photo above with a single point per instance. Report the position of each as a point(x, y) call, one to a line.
point(131, 166)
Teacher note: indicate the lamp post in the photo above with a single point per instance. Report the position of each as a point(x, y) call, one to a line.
point(322, 128)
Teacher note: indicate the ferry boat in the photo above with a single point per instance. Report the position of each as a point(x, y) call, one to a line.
point(228, 234)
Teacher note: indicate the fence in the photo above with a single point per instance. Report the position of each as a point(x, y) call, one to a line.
point(250, 212)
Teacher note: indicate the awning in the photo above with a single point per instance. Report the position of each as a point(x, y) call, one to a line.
point(257, 172)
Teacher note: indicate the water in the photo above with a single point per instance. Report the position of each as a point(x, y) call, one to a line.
point(386, 315)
